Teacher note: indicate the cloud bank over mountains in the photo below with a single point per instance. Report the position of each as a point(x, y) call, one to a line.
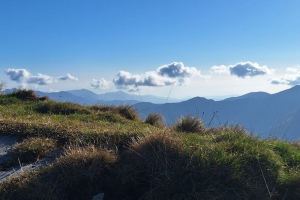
point(292, 78)
point(242, 69)
point(24, 77)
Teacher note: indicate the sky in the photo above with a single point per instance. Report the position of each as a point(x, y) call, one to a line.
point(213, 49)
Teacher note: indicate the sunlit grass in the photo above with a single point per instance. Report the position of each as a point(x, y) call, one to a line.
point(110, 150)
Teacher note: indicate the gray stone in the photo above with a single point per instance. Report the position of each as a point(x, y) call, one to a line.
point(98, 196)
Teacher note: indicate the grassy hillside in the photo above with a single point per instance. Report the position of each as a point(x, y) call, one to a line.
point(110, 150)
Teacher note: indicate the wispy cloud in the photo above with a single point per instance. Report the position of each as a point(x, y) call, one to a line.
point(163, 76)
point(222, 69)
point(242, 69)
point(292, 78)
point(68, 77)
point(100, 84)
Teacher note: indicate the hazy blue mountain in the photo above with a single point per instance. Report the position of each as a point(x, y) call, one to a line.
point(86, 94)
point(67, 97)
point(259, 113)
point(250, 95)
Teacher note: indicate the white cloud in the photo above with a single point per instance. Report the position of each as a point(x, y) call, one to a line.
point(24, 77)
point(68, 77)
point(222, 69)
point(125, 79)
point(100, 84)
point(40, 79)
point(18, 75)
point(177, 70)
point(242, 69)
point(163, 76)
point(293, 78)
point(292, 70)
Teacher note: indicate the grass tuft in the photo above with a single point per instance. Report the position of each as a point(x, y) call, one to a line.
point(190, 124)
point(154, 119)
point(33, 149)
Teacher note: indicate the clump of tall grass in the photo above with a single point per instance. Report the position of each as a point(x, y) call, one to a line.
point(125, 111)
point(189, 124)
point(80, 174)
point(28, 95)
point(34, 148)
point(63, 108)
point(154, 119)
point(151, 162)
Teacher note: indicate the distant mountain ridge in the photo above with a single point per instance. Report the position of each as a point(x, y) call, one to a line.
point(269, 115)
point(87, 97)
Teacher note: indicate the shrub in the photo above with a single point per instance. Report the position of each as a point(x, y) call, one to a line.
point(190, 124)
point(154, 119)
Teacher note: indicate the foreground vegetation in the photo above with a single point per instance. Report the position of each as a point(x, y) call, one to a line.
point(110, 150)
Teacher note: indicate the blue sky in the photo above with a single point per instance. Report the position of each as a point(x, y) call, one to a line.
point(197, 48)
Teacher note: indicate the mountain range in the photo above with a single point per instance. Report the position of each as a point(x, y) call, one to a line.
point(268, 115)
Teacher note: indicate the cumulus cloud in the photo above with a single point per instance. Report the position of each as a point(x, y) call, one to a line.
point(41, 79)
point(163, 76)
point(68, 77)
point(24, 77)
point(288, 79)
point(18, 75)
point(242, 69)
point(125, 79)
point(177, 70)
point(100, 84)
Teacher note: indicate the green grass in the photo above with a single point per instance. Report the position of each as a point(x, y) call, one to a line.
point(109, 149)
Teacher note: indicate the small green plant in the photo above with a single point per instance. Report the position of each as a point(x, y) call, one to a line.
point(190, 124)
point(154, 119)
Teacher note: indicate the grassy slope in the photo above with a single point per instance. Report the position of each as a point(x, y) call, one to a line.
point(110, 150)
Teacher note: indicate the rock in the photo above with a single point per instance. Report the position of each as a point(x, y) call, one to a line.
point(98, 196)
